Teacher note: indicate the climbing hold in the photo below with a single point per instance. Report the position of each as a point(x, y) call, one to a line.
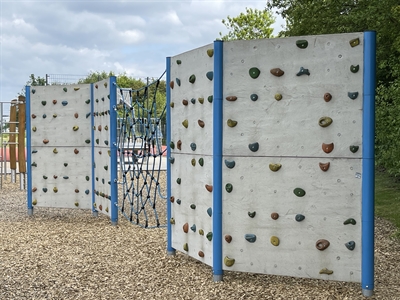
point(209, 211)
point(193, 228)
point(322, 244)
point(76, 151)
point(76, 115)
point(230, 163)
point(106, 128)
point(278, 97)
point(231, 123)
point(354, 148)
point(65, 164)
point(254, 72)
point(327, 97)
point(87, 192)
point(178, 61)
point(34, 202)
point(33, 116)
point(179, 145)
point(55, 189)
point(299, 192)
point(172, 221)
point(186, 247)
point(193, 206)
point(253, 97)
point(303, 72)
point(350, 245)
point(275, 167)
point(210, 98)
point(354, 69)
point(172, 199)
point(209, 236)
point(101, 207)
point(185, 228)
point(229, 187)
point(34, 164)
point(87, 115)
point(87, 178)
point(201, 161)
point(350, 221)
point(201, 253)
point(193, 146)
point(178, 181)
point(193, 100)
point(251, 238)
point(302, 44)
point(192, 78)
point(326, 271)
point(54, 101)
point(44, 116)
point(34, 128)
point(274, 240)
point(209, 188)
point(354, 42)
point(254, 147)
point(229, 261)
point(171, 84)
point(33, 91)
point(75, 128)
point(45, 141)
point(201, 100)
point(55, 151)
point(76, 203)
point(231, 98)
point(54, 115)
point(201, 123)
point(325, 121)
point(64, 103)
point(324, 166)
point(34, 151)
point(34, 189)
point(99, 128)
point(299, 217)
point(76, 191)
point(171, 160)
point(44, 190)
point(172, 145)
point(97, 141)
point(327, 148)
point(210, 75)
point(228, 238)
point(274, 216)
point(45, 177)
point(185, 102)
point(251, 214)
point(352, 95)
point(87, 101)
point(43, 103)
point(178, 81)
point(65, 89)
point(201, 232)
point(185, 123)
point(210, 52)
point(193, 161)
point(277, 72)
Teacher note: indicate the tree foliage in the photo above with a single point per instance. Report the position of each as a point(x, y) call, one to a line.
point(254, 24)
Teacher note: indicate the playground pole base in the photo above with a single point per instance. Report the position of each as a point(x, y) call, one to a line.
point(217, 278)
point(30, 211)
point(367, 293)
point(114, 223)
point(171, 252)
point(95, 214)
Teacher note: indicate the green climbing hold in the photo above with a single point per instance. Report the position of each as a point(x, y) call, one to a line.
point(87, 115)
point(275, 167)
point(254, 72)
point(44, 190)
point(193, 161)
point(299, 192)
point(229, 262)
point(193, 206)
point(87, 141)
point(209, 236)
point(254, 97)
point(193, 146)
point(210, 75)
point(350, 221)
point(231, 123)
point(210, 52)
point(87, 192)
point(352, 95)
point(65, 89)
point(251, 214)
point(302, 44)
point(106, 142)
point(55, 151)
point(186, 247)
point(230, 163)
point(33, 91)
point(354, 148)
point(251, 238)
point(185, 123)
point(209, 211)
point(299, 217)
point(172, 145)
point(97, 141)
point(87, 178)
point(350, 245)
point(210, 98)
point(303, 71)
point(34, 164)
point(229, 187)
point(87, 101)
point(171, 160)
point(178, 181)
point(106, 168)
point(354, 69)
point(65, 177)
point(34, 151)
point(45, 177)
point(201, 100)
point(43, 103)
point(254, 147)
point(354, 42)
point(178, 61)
point(192, 78)
point(201, 161)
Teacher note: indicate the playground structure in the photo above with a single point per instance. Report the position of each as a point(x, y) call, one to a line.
point(272, 156)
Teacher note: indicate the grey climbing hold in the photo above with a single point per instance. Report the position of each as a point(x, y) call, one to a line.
point(303, 71)
point(230, 163)
point(299, 217)
point(254, 147)
point(251, 238)
point(350, 245)
point(352, 95)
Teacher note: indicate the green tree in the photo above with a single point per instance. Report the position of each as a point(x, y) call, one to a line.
point(33, 81)
point(254, 24)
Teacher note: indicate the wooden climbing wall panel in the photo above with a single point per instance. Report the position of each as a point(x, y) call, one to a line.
point(191, 148)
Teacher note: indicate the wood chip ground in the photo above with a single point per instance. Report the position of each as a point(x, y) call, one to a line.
point(69, 254)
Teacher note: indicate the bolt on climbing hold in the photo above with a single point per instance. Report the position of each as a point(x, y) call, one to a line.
point(354, 69)
point(76, 151)
point(65, 164)
point(172, 199)
point(44, 190)
point(230, 163)
point(45, 141)
point(201, 161)
point(274, 216)
point(34, 189)
point(324, 166)
point(54, 115)
point(326, 271)
point(201, 100)
point(87, 101)
point(327, 97)
point(76, 191)
point(44, 116)
point(193, 206)
point(278, 97)
point(34, 151)
point(231, 98)
point(210, 52)
point(193, 146)
point(303, 71)
point(178, 61)
point(193, 228)
point(251, 214)
point(54, 101)
point(171, 160)
point(299, 217)
point(352, 95)
point(179, 144)
point(185, 228)
point(209, 211)
point(186, 247)
point(322, 244)
point(327, 148)
point(171, 84)
point(76, 203)
point(178, 81)
point(251, 238)
point(64, 103)
point(200, 253)
point(209, 236)
point(350, 221)
point(99, 128)
point(193, 162)
point(275, 167)
point(33, 116)
point(210, 75)
point(55, 151)
point(45, 177)
point(34, 164)
point(210, 98)
point(201, 123)
point(75, 128)
point(302, 44)
point(87, 178)
point(229, 262)
point(65, 89)
point(274, 240)
point(33, 91)
point(299, 192)
point(185, 102)
point(178, 180)
point(254, 97)
point(201, 232)
point(254, 72)
point(43, 103)
point(254, 147)
point(34, 128)
point(277, 72)
point(325, 121)
point(55, 189)
point(106, 128)
point(87, 192)
point(231, 123)
point(354, 148)
point(229, 187)
point(228, 238)
point(185, 123)
point(172, 145)
point(192, 78)
point(209, 188)
point(354, 42)
point(350, 245)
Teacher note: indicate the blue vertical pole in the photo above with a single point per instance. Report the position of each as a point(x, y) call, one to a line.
point(28, 149)
point(368, 164)
point(94, 211)
point(170, 249)
point(217, 161)
point(113, 148)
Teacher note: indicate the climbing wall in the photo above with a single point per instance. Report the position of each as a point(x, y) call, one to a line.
point(292, 156)
point(60, 146)
point(191, 152)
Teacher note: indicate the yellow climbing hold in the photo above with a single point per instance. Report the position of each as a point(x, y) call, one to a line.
point(274, 167)
point(229, 262)
point(326, 271)
point(274, 240)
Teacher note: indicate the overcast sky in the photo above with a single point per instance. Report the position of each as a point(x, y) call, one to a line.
point(132, 36)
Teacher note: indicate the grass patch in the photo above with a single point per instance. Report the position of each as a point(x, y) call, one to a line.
point(387, 199)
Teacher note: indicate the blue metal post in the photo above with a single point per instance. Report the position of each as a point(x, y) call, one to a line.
point(170, 249)
point(113, 148)
point(217, 161)
point(368, 164)
point(94, 211)
point(28, 149)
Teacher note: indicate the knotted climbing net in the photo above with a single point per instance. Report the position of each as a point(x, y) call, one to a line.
point(142, 198)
